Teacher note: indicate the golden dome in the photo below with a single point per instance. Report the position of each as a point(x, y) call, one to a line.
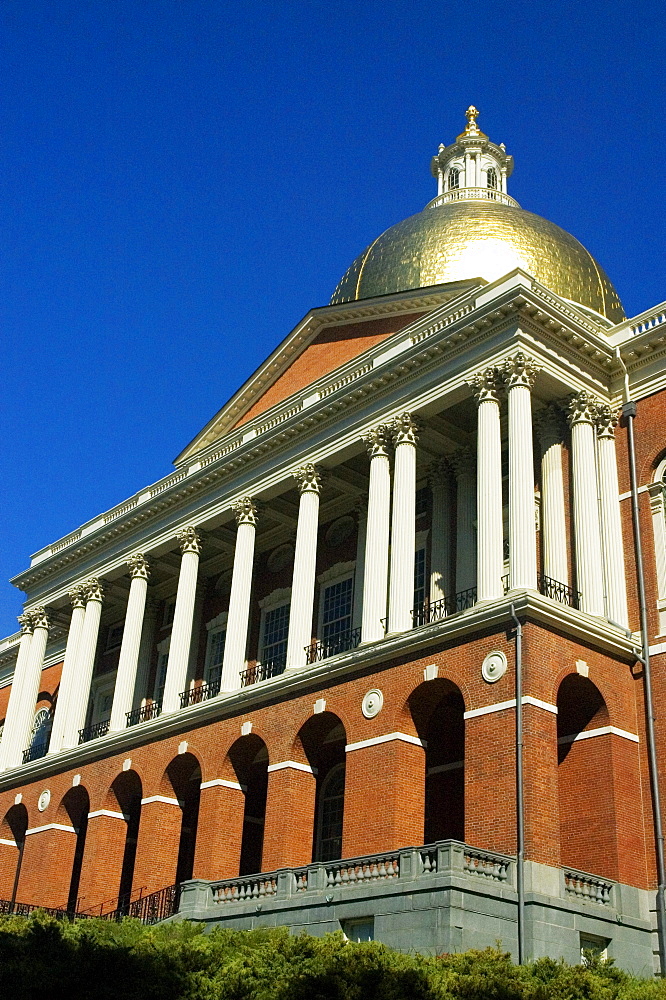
point(471, 238)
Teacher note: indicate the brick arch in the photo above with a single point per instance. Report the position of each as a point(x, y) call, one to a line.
point(13, 828)
point(178, 770)
point(317, 732)
point(323, 739)
point(609, 694)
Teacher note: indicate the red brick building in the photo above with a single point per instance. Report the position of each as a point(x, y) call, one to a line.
point(372, 655)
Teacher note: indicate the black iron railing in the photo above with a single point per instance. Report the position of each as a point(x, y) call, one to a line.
point(340, 643)
point(262, 671)
point(149, 909)
point(35, 751)
point(93, 732)
point(202, 692)
point(505, 583)
point(433, 611)
point(558, 591)
point(8, 908)
point(143, 714)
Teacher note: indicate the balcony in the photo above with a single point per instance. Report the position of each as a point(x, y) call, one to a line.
point(558, 591)
point(262, 671)
point(340, 643)
point(433, 611)
point(202, 692)
point(35, 751)
point(143, 714)
point(93, 732)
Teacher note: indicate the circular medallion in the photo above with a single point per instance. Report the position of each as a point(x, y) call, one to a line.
point(43, 800)
point(372, 703)
point(280, 558)
point(494, 666)
point(339, 531)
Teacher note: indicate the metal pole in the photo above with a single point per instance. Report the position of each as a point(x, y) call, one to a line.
point(520, 797)
point(629, 412)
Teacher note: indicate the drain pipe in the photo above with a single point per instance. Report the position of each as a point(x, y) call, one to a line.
point(520, 796)
point(629, 413)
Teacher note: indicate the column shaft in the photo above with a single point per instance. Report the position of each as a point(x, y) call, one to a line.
point(239, 600)
point(305, 561)
point(587, 531)
point(8, 748)
point(403, 533)
point(465, 469)
point(375, 575)
point(181, 634)
point(440, 544)
point(489, 539)
point(518, 375)
point(553, 517)
point(611, 523)
point(69, 668)
point(80, 692)
point(32, 676)
point(145, 653)
point(128, 661)
point(359, 573)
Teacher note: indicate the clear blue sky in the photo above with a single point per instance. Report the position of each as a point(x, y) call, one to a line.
point(182, 180)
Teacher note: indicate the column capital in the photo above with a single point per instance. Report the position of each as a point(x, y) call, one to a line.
point(139, 567)
point(40, 618)
point(189, 539)
point(308, 478)
point(485, 386)
point(245, 510)
point(361, 507)
point(607, 419)
point(93, 590)
point(25, 623)
point(77, 596)
point(404, 429)
point(439, 472)
point(378, 441)
point(463, 461)
point(549, 423)
point(519, 370)
point(583, 408)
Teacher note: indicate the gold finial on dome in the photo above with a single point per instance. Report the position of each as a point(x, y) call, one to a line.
point(472, 130)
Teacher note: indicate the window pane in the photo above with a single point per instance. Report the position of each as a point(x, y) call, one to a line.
point(419, 578)
point(215, 656)
point(160, 679)
point(331, 812)
point(276, 630)
point(337, 610)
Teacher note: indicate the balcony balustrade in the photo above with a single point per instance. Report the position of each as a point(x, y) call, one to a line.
point(433, 611)
point(35, 751)
point(340, 643)
point(199, 693)
point(262, 671)
point(93, 732)
point(558, 591)
point(143, 714)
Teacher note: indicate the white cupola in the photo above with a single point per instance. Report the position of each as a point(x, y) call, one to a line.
point(472, 168)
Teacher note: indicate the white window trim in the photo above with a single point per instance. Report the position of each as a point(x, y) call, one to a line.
point(656, 490)
point(276, 599)
point(162, 647)
point(213, 627)
point(336, 574)
point(100, 687)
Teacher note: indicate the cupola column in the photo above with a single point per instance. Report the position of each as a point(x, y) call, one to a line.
point(375, 577)
point(553, 517)
point(235, 643)
point(489, 538)
point(68, 675)
point(183, 619)
point(463, 463)
point(128, 662)
point(518, 374)
point(305, 562)
point(440, 546)
point(9, 749)
point(32, 676)
point(93, 593)
point(587, 532)
point(403, 533)
point(611, 523)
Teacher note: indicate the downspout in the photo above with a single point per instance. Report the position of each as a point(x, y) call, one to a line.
point(520, 793)
point(629, 412)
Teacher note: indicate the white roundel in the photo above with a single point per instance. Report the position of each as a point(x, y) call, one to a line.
point(494, 666)
point(43, 800)
point(372, 703)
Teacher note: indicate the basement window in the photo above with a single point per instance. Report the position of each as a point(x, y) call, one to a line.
point(592, 946)
point(360, 929)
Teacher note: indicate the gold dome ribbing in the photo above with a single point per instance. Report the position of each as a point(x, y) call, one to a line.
point(478, 239)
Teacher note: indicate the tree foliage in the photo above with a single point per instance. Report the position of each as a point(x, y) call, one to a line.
point(97, 960)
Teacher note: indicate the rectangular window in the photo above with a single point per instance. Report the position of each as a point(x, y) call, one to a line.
point(169, 611)
point(361, 929)
point(592, 946)
point(419, 578)
point(215, 656)
point(276, 630)
point(160, 676)
point(337, 609)
point(422, 500)
point(114, 636)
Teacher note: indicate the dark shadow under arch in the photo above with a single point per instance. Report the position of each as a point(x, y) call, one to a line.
point(437, 710)
point(249, 759)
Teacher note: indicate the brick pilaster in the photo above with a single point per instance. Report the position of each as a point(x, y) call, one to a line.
point(46, 869)
point(102, 860)
point(290, 808)
point(157, 845)
point(219, 832)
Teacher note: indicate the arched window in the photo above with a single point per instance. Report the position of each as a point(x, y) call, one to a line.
point(41, 731)
point(454, 178)
point(491, 178)
point(331, 809)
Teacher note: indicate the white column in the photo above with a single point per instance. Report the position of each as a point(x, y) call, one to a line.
point(518, 373)
point(235, 643)
point(553, 516)
point(8, 746)
point(489, 535)
point(359, 572)
point(68, 675)
point(440, 543)
point(87, 648)
point(146, 647)
point(611, 522)
point(463, 463)
point(587, 530)
point(183, 617)
point(128, 661)
point(403, 530)
point(31, 675)
point(375, 575)
point(305, 562)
